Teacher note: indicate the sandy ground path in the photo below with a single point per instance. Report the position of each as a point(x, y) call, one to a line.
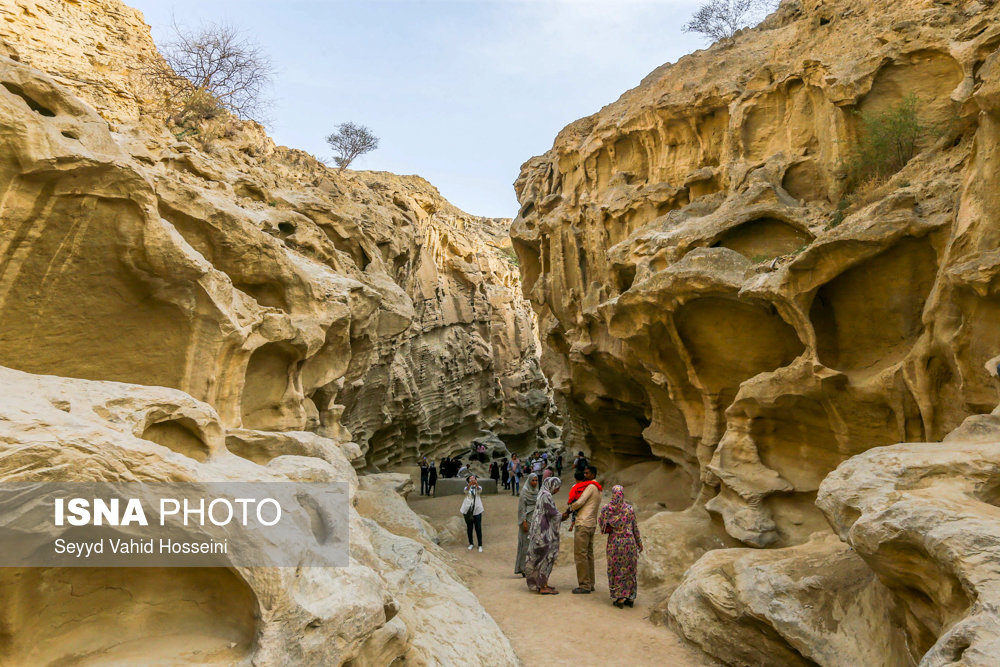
point(562, 629)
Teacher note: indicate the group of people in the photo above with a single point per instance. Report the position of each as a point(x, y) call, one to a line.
point(510, 473)
point(539, 521)
point(428, 476)
point(453, 467)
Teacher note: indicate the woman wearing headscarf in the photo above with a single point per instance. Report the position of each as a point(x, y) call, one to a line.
point(617, 520)
point(525, 512)
point(543, 539)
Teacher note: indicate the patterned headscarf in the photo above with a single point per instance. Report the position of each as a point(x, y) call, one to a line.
point(617, 512)
point(551, 484)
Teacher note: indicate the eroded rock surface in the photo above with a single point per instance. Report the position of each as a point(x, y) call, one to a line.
point(285, 295)
point(387, 604)
point(184, 304)
point(710, 293)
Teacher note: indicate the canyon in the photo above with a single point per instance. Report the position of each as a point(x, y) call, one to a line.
point(795, 377)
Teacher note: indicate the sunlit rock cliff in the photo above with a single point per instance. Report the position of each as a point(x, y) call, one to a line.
point(714, 299)
point(177, 305)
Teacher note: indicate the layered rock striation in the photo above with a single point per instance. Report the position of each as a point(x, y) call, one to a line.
point(712, 292)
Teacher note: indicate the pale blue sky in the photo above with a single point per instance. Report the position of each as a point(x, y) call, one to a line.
point(461, 92)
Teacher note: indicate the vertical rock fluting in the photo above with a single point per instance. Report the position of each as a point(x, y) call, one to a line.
point(709, 293)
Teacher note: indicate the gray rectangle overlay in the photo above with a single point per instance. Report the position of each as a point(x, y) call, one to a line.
point(183, 524)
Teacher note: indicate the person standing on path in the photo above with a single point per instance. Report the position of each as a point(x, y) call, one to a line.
point(432, 479)
point(423, 476)
point(559, 465)
point(586, 509)
point(505, 472)
point(472, 510)
point(495, 472)
point(515, 475)
point(543, 539)
point(617, 520)
point(525, 513)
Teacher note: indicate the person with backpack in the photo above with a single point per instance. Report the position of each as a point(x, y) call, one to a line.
point(472, 510)
point(505, 473)
point(580, 463)
point(515, 475)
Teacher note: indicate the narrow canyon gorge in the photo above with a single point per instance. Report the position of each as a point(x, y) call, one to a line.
point(793, 375)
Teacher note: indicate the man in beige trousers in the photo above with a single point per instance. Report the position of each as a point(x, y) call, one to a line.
point(586, 508)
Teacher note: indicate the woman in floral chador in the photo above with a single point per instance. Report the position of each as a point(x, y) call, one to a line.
point(617, 520)
point(543, 539)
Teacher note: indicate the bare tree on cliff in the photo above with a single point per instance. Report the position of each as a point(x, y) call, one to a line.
point(351, 140)
point(720, 19)
point(214, 68)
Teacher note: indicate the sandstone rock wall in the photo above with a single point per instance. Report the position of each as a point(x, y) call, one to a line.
point(177, 305)
point(711, 295)
point(284, 294)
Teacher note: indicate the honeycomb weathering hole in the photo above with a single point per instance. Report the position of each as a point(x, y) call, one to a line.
point(869, 316)
point(763, 238)
point(179, 435)
point(729, 341)
point(86, 616)
point(268, 377)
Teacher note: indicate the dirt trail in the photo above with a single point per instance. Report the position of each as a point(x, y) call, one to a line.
point(562, 629)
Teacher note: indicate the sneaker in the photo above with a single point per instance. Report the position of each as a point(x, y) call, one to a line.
point(470, 548)
point(480, 550)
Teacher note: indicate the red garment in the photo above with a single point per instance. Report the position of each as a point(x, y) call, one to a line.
point(577, 490)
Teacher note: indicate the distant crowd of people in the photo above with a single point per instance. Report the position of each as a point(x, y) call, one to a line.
point(539, 521)
point(429, 472)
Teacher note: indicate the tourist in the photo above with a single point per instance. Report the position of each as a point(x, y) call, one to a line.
point(525, 512)
point(495, 472)
point(463, 470)
point(543, 539)
point(586, 507)
point(432, 479)
point(559, 465)
point(423, 476)
point(472, 510)
point(537, 464)
point(548, 472)
point(580, 462)
point(617, 519)
point(576, 491)
point(445, 467)
point(515, 475)
point(505, 473)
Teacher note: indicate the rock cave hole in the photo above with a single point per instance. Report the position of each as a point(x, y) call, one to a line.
point(179, 435)
point(869, 316)
point(15, 89)
point(730, 341)
point(763, 239)
point(269, 375)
